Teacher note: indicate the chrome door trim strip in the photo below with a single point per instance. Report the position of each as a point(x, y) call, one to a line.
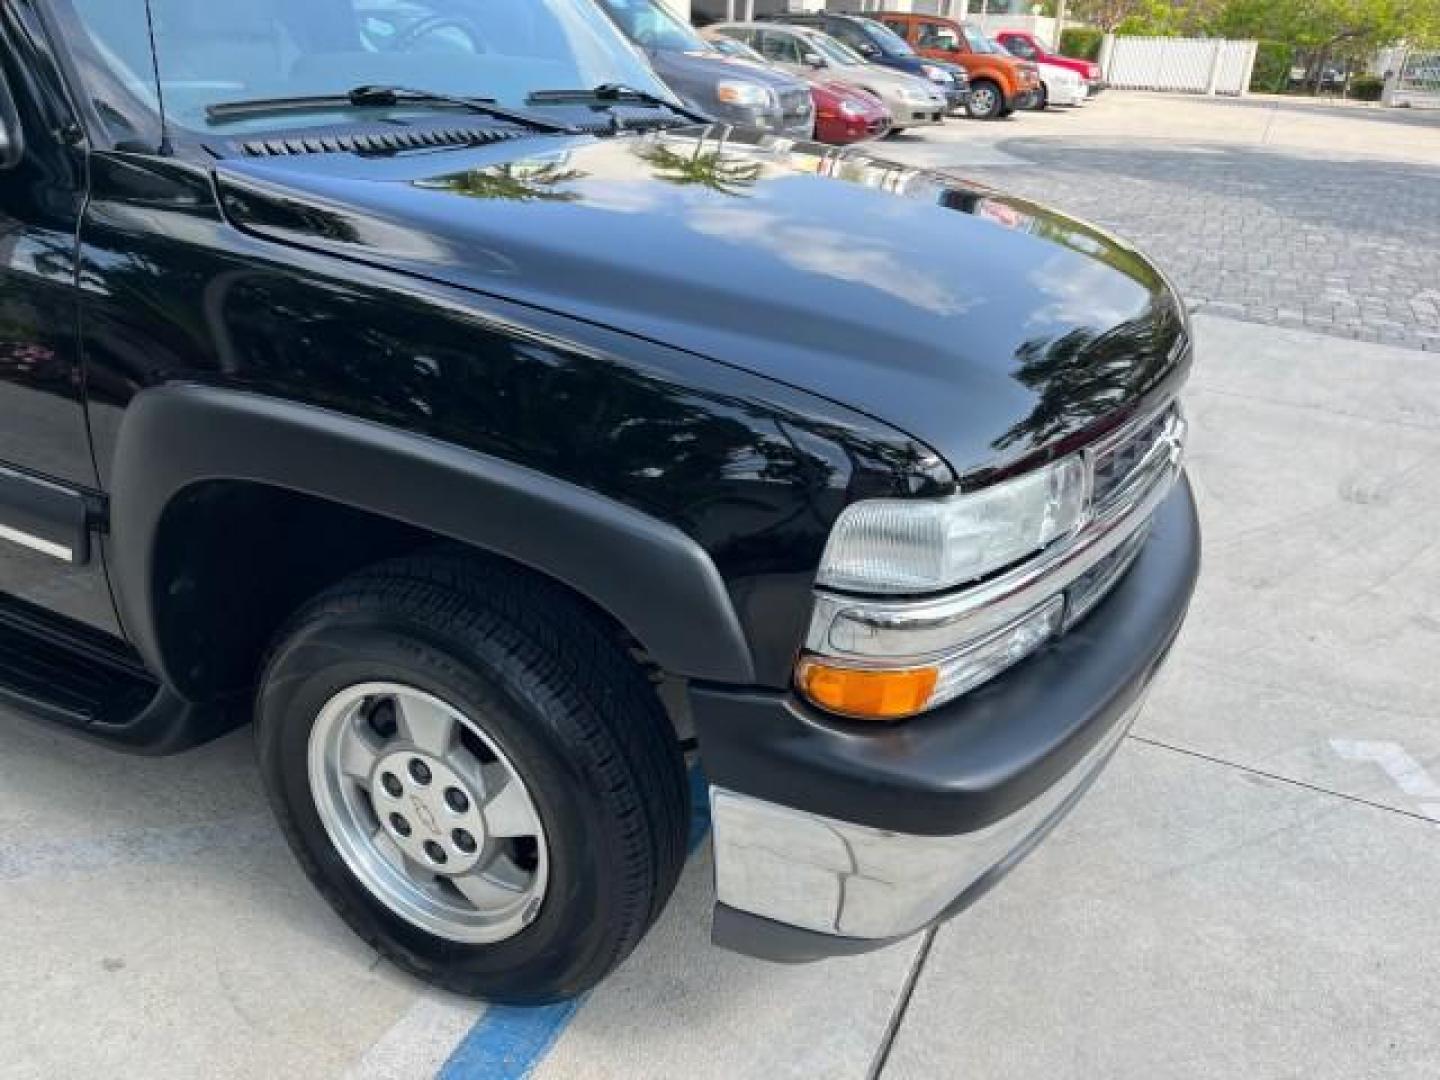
point(36, 543)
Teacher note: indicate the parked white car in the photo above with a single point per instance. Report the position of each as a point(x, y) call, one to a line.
point(1060, 86)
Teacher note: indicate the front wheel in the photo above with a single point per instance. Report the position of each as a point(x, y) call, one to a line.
point(986, 100)
point(475, 775)
point(1043, 101)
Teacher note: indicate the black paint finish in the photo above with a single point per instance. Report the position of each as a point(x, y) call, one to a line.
point(47, 474)
point(730, 336)
point(693, 324)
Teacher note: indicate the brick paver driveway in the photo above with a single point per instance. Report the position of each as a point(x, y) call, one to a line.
point(1338, 234)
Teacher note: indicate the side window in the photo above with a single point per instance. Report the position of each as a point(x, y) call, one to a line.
point(1020, 47)
point(937, 36)
point(852, 35)
point(778, 47)
point(901, 28)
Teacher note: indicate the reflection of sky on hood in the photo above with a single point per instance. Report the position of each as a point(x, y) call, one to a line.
point(1082, 292)
point(816, 249)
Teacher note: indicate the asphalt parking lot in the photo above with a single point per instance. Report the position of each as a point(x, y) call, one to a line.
point(1246, 892)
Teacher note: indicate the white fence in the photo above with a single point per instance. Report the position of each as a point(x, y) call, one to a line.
point(1413, 79)
point(1182, 65)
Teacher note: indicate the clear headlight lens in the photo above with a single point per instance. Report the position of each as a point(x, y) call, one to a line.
point(748, 94)
point(937, 74)
point(918, 546)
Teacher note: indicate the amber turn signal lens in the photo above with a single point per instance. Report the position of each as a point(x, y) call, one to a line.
point(868, 694)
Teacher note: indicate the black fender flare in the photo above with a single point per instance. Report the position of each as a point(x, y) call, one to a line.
point(649, 576)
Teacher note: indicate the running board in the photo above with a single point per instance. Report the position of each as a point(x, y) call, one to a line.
point(69, 675)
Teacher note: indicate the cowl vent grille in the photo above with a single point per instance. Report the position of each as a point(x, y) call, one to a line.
point(375, 142)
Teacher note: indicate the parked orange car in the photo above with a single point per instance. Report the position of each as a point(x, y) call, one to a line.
point(999, 82)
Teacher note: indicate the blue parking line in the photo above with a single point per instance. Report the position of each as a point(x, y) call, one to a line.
point(508, 1042)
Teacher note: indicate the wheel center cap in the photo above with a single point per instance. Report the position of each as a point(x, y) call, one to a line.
point(429, 811)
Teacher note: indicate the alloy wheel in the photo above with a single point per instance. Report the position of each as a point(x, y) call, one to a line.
point(428, 812)
point(984, 101)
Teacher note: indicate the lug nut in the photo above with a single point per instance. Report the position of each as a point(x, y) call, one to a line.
point(456, 800)
point(435, 851)
point(382, 718)
point(399, 824)
point(464, 841)
point(391, 783)
point(419, 771)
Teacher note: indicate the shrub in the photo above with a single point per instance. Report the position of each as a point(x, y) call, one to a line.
point(1272, 67)
point(1081, 43)
point(1367, 87)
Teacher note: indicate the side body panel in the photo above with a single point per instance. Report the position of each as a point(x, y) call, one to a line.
point(47, 475)
point(747, 471)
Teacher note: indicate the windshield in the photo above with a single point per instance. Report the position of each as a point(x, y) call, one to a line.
point(837, 52)
point(979, 42)
point(889, 41)
point(650, 26)
point(212, 51)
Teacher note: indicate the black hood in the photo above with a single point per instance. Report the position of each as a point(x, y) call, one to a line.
point(988, 327)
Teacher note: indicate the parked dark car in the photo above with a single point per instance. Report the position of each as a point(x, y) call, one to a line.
point(434, 391)
point(880, 45)
point(708, 80)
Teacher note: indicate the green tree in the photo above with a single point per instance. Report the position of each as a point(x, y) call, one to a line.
point(1105, 14)
point(1325, 30)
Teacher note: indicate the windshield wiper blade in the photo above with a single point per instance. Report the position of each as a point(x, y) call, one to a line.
point(380, 96)
point(618, 93)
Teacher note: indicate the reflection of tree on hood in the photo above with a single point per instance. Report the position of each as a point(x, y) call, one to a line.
point(703, 168)
point(1080, 376)
point(517, 181)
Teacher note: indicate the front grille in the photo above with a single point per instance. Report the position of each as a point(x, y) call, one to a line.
point(795, 103)
point(1122, 463)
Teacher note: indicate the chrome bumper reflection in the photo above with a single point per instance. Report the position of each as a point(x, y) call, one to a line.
point(836, 877)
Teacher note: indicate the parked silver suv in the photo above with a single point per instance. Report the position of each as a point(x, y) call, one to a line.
point(710, 81)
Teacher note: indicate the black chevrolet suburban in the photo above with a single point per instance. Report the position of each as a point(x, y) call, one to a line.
point(421, 380)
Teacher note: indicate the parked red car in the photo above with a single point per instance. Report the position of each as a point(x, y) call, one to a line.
point(1028, 47)
point(843, 114)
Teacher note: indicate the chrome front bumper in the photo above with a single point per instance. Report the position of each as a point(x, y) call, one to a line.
point(835, 877)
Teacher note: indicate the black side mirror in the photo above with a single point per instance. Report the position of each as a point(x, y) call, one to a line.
point(12, 134)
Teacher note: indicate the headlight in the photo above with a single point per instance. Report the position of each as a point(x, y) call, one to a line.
point(918, 95)
point(748, 94)
point(914, 642)
point(919, 546)
point(937, 74)
point(890, 693)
